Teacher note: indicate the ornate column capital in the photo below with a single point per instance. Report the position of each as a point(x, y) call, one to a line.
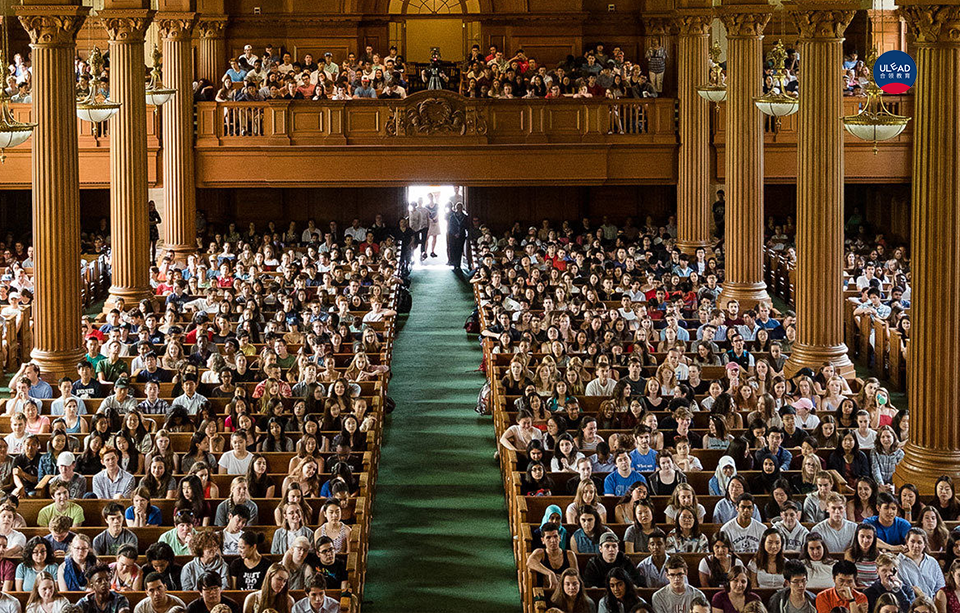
point(693, 22)
point(822, 21)
point(657, 25)
point(933, 24)
point(212, 27)
point(126, 25)
point(176, 26)
point(745, 21)
point(52, 26)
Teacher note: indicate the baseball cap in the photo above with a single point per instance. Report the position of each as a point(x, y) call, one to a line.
point(802, 403)
point(66, 459)
point(609, 537)
point(733, 366)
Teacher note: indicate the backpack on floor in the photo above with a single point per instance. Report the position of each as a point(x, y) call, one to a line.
point(472, 325)
point(404, 300)
point(483, 399)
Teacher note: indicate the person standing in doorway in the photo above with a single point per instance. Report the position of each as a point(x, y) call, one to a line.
point(457, 222)
point(420, 223)
point(433, 228)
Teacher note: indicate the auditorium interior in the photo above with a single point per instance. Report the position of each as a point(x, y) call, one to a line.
point(539, 306)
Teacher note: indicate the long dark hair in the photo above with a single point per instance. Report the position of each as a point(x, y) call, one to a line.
point(198, 504)
point(630, 596)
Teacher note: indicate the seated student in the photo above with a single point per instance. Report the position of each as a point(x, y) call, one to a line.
point(292, 526)
point(141, 513)
point(211, 595)
point(61, 505)
point(891, 530)
point(179, 536)
point(46, 598)
point(316, 599)
point(547, 561)
point(677, 595)
point(112, 481)
point(608, 558)
point(744, 531)
point(157, 600)
point(127, 576)
point(9, 604)
point(205, 547)
point(795, 597)
point(60, 535)
point(617, 482)
point(66, 473)
point(837, 531)
point(238, 518)
point(815, 504)
point(652, 568)
point(918, 569)
point(109, 542)
point(102, 599)
point(842, 593)
point(38, 558)
point(26, 468)
point(71, 576)
point(191, 401)
point(16, 541)
point(889, 583)
point(66, 393)
point(239, 495)
point(237, 460)
point(86, 386)
point(273, 595)
point(160, 560)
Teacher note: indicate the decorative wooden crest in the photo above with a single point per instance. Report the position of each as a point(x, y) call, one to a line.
point(436, 113)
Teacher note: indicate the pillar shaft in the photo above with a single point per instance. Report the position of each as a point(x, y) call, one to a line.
point(693, 184)
point(129, 225)
point(179, 187)
point(211, 56)
point(819, 279)
point(933, 448)
point(58, 342)
point(743, 243)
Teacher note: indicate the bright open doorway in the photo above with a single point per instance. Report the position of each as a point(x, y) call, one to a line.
point(444, 196)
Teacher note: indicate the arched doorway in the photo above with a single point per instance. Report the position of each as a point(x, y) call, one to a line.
point(426, 24)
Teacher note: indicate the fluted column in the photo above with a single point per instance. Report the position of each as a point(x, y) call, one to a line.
point(743, 243)
point(819, 274)
point(211, 56)
point(58, 343)
point(179, 187)
point(693, 181)
point(932, 385)
point(129, 223)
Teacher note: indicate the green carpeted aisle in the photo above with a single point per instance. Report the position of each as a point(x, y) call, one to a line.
point(440, 539)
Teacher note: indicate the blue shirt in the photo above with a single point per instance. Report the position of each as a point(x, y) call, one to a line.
point(41, 389)
point(895, 534)
point(615, 485)
point(236, 75)
point(644, 463)
point(154, 517)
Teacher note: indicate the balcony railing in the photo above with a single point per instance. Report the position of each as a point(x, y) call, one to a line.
point(437, 116)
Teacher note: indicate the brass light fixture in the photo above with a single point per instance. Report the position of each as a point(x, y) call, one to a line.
point(157, 94)
point(96, 108)
point(12, 132)
point(874, 122)
point(778, 103)
point(714, 90)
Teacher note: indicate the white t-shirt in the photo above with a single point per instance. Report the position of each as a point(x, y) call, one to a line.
point(234, 465)
point(836, 541)
point(745, 540)
point(16, 538)
point(231, 543)
point(15, 445)
point(866, 442)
